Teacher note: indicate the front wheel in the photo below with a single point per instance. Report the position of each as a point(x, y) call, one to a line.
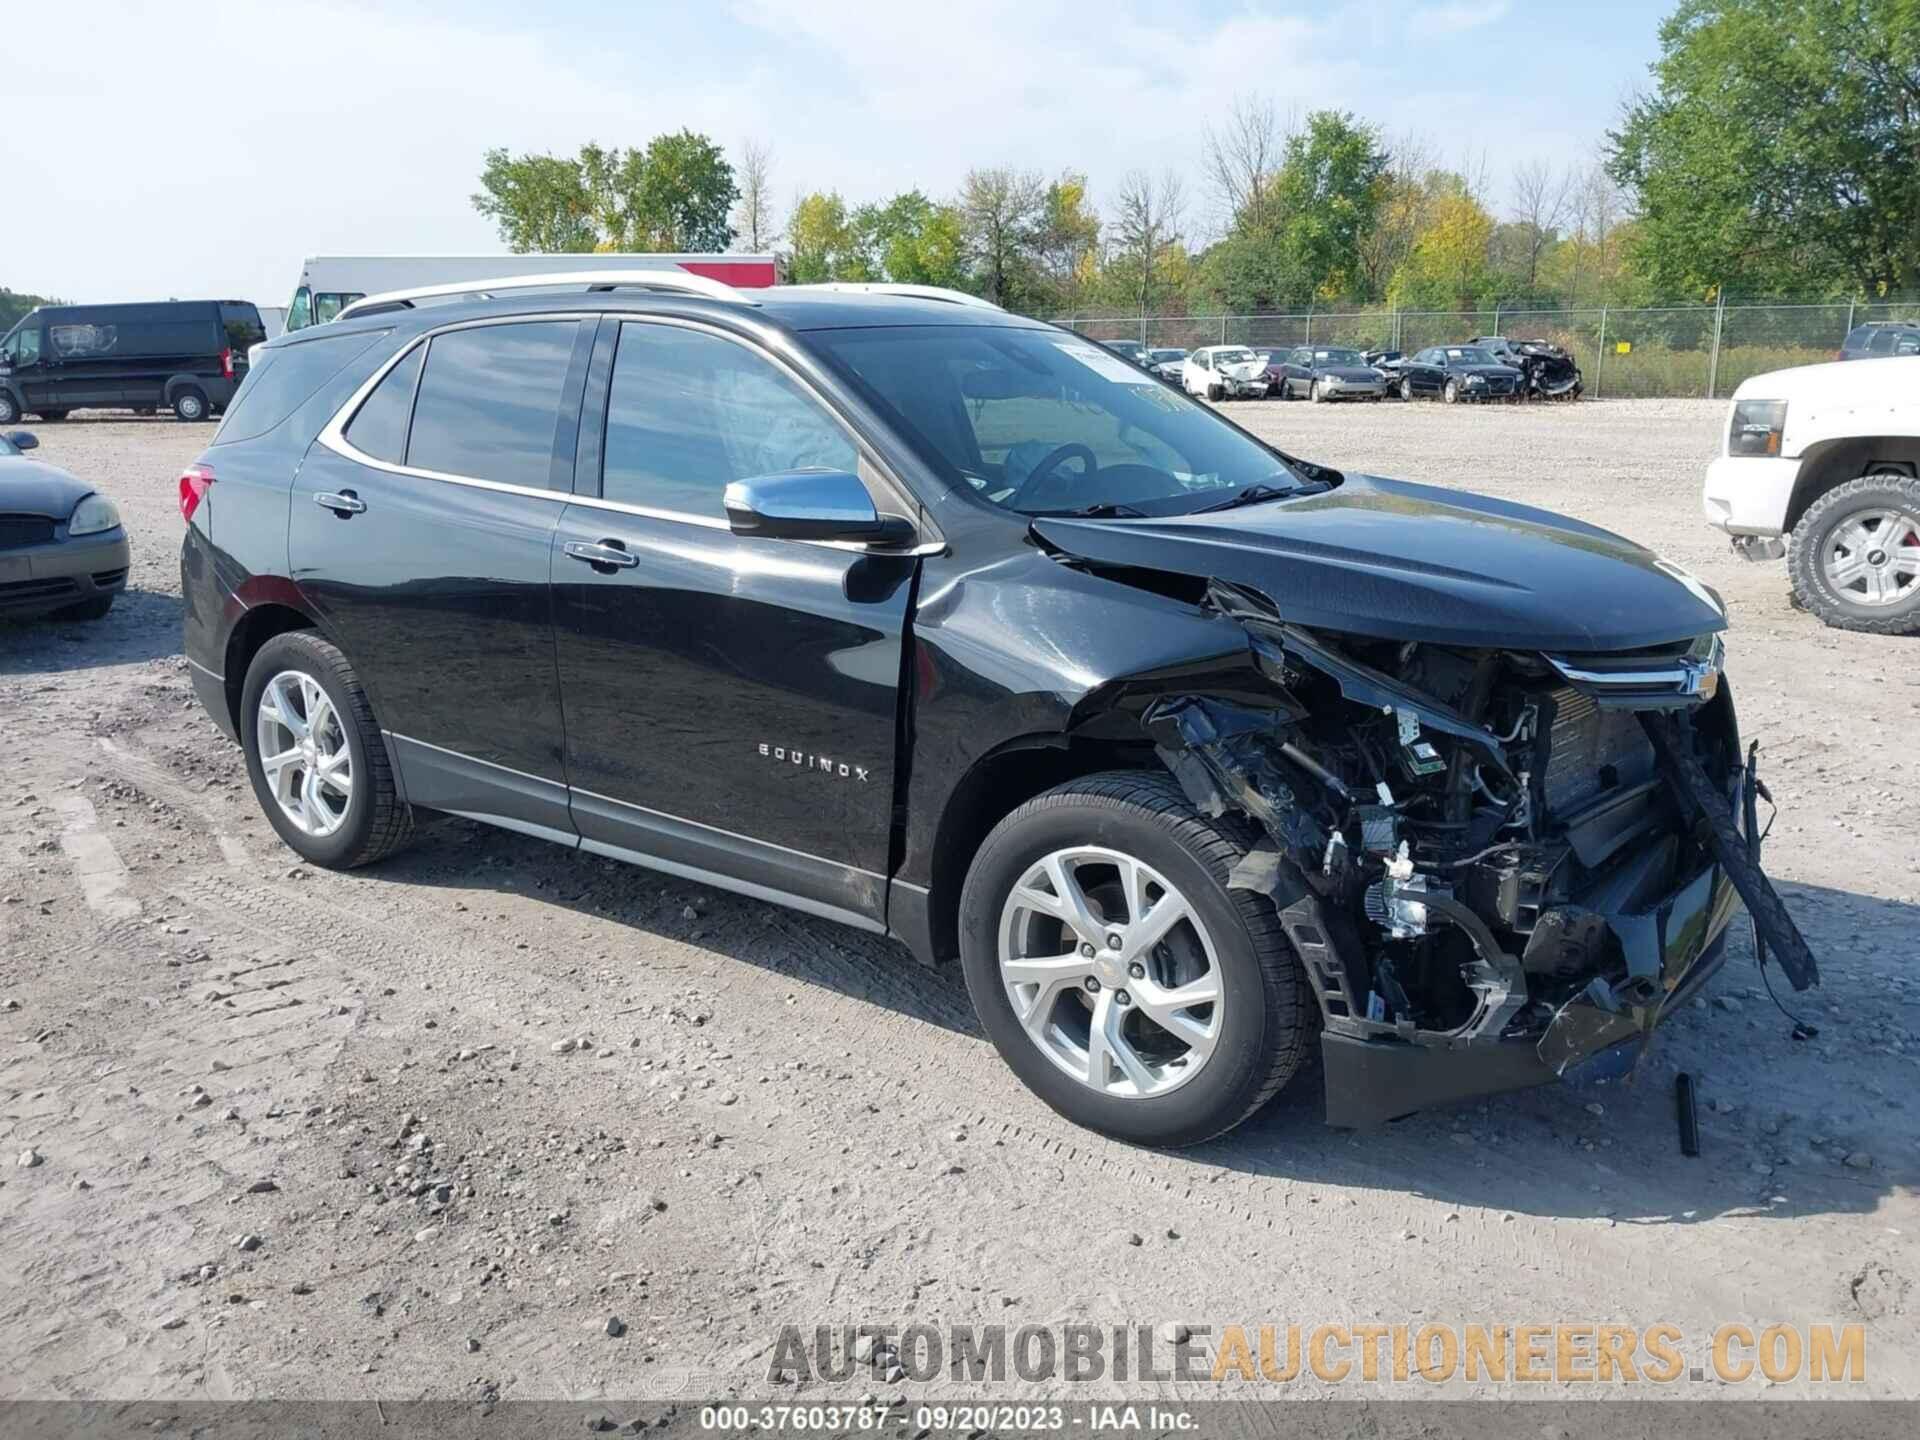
point(1453, 392)
point(315, 757)
point(9, 408)
point(1213, 393)
point(1117, 974)
point(1854, 558)
point(1406, 389)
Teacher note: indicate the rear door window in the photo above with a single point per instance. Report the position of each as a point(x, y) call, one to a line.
point(1882, 342)
point(285, 379)
point(489, 401)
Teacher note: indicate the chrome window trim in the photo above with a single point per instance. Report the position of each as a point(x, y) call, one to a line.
point(333, 434)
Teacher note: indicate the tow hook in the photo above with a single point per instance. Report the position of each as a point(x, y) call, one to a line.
point(1759, 547)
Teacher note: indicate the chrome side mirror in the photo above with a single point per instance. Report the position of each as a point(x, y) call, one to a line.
point(811, 505)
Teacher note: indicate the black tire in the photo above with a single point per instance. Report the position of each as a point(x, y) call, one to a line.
point(1266, 1026)
point(190, 404)
point(9, 408)
point(377, 822)
point(1452, 392)
point(1406, 389)
point(94, 609)
point(1883, 488)
point(1213, 393)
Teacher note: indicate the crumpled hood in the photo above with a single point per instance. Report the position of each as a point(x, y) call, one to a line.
point(32, 487)
point(1398, 561)
point(1245, 369)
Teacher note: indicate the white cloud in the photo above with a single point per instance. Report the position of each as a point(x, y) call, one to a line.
point(208, 159)
point(1451, 18)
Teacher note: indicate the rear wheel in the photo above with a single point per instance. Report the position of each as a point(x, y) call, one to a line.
point(315, 757)
point(1117, 974)
point(9, 408)
point(189, 404)
point(1855, 555)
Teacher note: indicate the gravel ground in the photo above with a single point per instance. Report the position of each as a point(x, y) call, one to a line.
point(423, 1130)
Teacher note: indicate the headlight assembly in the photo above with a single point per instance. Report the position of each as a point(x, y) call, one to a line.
point(92, 515)
point(1757, 428)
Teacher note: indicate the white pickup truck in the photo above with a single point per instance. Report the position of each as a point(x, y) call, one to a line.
point(1822, 464)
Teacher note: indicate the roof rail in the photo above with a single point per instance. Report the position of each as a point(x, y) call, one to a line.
point(915, 292)
point(683, 281)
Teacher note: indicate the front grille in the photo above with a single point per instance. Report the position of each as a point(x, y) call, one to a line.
point(18, 592)
point(1499, 385)
point(19, 531)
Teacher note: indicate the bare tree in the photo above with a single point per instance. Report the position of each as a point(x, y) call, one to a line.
point(755, 224)
point(1598, 207)
point(1542, 200)
point(1401, 214)
point(1147, 214)
point(1242, 157)
point(1001, 210)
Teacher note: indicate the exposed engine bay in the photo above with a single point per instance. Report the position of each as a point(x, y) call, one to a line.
point(1491, 850)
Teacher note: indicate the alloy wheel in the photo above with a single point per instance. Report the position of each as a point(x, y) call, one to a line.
point(1111, 972)
point(1873, 557)
point(304, 753)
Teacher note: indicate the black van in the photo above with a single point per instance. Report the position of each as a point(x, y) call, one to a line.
point(188, 355)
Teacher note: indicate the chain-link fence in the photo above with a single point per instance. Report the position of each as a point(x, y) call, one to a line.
point(1699, 351)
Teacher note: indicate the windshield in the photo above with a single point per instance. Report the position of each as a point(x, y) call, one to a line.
point(1470, 355)
point(1042, 422)
point(1232, 357)
point(1339, 357)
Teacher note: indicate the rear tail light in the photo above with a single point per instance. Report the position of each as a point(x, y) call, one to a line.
point(195, 481)
point(226, 363)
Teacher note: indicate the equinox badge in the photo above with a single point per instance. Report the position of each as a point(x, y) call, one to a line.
point(824, 764)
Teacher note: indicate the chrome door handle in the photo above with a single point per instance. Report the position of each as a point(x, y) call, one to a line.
point(609, 553)
point(344, 504)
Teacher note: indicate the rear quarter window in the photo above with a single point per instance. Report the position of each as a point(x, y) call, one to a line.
point(243, 326)
point(285, 378)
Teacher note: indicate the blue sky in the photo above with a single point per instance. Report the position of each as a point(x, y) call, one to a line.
point(335, 126)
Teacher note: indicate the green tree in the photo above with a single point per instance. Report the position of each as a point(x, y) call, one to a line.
point(1780, 148)
point(676, 194)
point(14, 305)
point(1001, 212)
point(911, 240)
point(1066, 240)
point(822, 243)
point(1327, 193)
point(539, 203)
point(1448, 268)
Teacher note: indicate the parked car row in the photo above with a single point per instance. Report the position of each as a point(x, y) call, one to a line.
point(1488, 367)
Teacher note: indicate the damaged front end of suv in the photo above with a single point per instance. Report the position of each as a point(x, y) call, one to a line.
point(1493, 864)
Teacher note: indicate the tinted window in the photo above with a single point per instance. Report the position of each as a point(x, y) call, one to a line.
point(689, 412)
point(283, 381)
point(1882, 343)
point(167, 337)
point(489, 401)
point(379, 427)
point(243, 326)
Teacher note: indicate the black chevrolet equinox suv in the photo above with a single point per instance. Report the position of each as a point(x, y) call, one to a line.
point(947, 624)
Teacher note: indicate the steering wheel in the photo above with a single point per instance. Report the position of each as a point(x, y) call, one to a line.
point(1052, 461)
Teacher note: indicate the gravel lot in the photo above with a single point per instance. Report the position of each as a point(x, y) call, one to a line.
point(422, 1130)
